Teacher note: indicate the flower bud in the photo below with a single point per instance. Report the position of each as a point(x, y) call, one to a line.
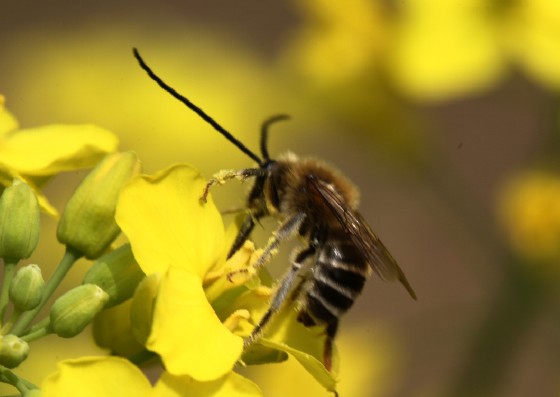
point(74, 310)
point(26, 288)
point(88, 222)
point(117, 273)
point(112, 329)
point(19, 222)
point(142, 309)
point(13, 351)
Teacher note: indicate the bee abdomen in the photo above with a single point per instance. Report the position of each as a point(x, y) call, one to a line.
point(338, 278)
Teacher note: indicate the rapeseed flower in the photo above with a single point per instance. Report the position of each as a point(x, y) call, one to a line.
point(36, 154)
point(197, 315)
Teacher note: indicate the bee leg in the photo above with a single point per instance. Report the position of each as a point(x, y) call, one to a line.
point(281, 294)
point(327, 354)
point(223, 176)
point(286, 229)
point(246, 229)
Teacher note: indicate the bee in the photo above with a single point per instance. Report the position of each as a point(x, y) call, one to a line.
point(315, 201)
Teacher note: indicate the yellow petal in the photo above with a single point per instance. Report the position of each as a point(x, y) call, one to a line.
point(8, 175)
point(167, 225)
point(231, 385)
point(187, 333)
point(54, 148)
point(7, 121)
point(371, 367)
point(96, 377)
point(285, 333)
point(306, 345)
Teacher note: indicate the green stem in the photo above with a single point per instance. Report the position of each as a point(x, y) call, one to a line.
point(22, 385)
point(501, 333)
point(13, 318)
point(9, 270)
point(41, 324)
point(37, 333)
point(62, 269)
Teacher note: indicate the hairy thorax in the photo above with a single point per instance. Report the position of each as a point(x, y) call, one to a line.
point(288, 188)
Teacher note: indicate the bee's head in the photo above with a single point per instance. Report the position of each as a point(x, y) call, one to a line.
point(264, 186)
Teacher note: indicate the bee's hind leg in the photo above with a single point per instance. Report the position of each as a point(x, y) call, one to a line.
point(327, 353)
point(281, 294)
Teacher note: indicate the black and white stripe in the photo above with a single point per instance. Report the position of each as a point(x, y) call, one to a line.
point(337, 279)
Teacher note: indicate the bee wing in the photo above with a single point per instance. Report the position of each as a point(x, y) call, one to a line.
point(377, 255)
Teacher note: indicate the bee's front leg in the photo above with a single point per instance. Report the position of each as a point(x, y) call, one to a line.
point(223, 176)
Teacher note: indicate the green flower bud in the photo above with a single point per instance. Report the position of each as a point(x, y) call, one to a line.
point(13, 351)
point(26, 288)
point(88, 222)
point(142, 309)
point(117, 273)
point(19, 222)
point(74, 310)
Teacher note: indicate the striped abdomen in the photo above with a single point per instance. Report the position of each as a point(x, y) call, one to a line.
point(336, 280)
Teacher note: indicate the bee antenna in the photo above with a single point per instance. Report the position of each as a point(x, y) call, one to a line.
point(264, 132)
point(195, 109)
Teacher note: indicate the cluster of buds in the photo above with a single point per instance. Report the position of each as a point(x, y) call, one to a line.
point(87, 228)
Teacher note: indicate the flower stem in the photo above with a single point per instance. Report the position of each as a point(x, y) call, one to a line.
point(62, 269)
point(36, 334)
point(9, 270)
point(43, 323)
point(7, 376)
point(13, 318)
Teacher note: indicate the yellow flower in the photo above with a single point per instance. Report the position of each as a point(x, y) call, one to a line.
point(339, 40)
point(114, 376)
point(432, 49)
point(35, 154)
point(445, 48)
point(199, 316)
point(529, 209)
point(171, 233)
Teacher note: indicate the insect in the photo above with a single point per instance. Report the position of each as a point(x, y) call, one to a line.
point(316, 202)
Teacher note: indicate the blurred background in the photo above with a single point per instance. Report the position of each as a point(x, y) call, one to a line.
point(444, 113)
